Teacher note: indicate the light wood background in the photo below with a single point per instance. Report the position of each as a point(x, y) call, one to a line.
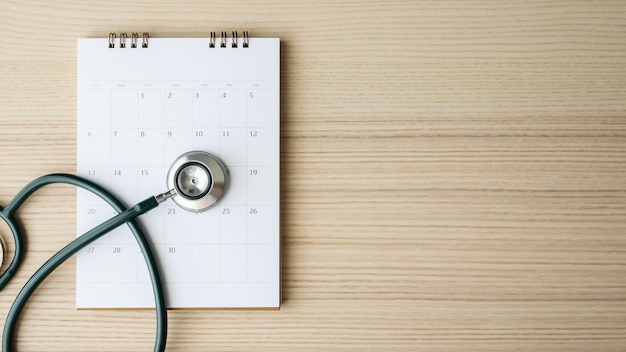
point(453, 173)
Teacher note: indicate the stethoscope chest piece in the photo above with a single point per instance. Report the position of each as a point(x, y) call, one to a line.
point(199, 179)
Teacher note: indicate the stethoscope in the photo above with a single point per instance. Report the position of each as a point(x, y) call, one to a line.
point(196, 181)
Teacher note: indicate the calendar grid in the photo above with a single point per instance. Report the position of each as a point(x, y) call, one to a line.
point(191, 223)
point(137, 273)
point(219, 218)
point(247, 203)
point(131, 128)
point(108, 237)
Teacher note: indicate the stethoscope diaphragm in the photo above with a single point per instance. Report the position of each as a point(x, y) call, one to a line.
point(199, 180)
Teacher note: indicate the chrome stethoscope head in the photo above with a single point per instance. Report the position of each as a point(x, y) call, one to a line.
point(199, 179)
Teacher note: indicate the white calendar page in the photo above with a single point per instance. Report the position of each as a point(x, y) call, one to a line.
point(138, 110)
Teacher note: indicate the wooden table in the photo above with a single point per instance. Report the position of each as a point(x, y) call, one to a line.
point(453, 174)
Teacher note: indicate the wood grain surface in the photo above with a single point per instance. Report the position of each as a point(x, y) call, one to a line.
point(453, 173)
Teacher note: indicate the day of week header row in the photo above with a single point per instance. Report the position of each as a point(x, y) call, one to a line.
point(180, 85)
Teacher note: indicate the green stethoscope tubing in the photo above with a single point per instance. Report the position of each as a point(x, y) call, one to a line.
point(126, 215)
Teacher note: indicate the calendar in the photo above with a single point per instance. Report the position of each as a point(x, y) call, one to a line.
point(142, 102)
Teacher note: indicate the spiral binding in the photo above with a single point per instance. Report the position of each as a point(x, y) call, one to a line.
point(134, 38)
point(144, 40)
point(112, 37)
point(133, 41)
point(223, 41)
